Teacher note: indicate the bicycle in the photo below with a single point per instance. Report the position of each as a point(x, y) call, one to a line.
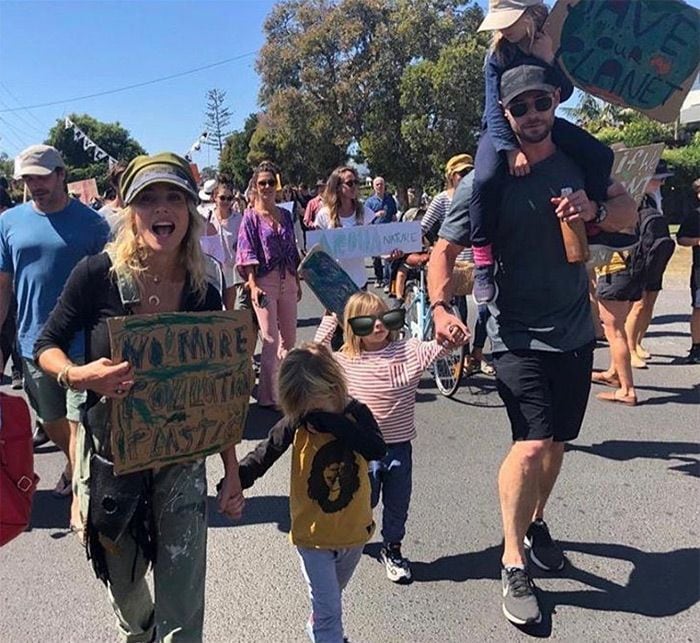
point(447, 370)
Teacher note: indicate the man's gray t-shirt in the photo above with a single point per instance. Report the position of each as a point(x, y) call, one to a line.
point(542, 301)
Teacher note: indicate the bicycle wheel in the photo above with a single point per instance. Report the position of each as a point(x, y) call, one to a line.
point(448, 368)
point(412, 323)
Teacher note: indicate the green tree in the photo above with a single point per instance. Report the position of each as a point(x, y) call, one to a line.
point(80, 164)
point(7, 166)
point(336, 72)
point(217, 119)
point(233, 160)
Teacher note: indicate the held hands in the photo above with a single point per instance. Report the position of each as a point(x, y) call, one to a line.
point(449, 330)
point(542, 47)
point(230, 498)
point(517, 163)
point(574, 206)
point(104, 377)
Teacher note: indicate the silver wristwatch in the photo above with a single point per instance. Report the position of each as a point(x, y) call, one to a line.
point(601, 213)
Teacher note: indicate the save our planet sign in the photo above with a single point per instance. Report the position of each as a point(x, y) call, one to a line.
point(642, 54)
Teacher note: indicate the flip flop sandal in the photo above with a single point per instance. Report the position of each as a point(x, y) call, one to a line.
point(599, 377)
point(611, 396)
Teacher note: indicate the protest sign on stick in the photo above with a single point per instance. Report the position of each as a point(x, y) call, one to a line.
point(369, 240)
point(633, 167)
point(86, 190)
point(642, 54)
point(192, 381)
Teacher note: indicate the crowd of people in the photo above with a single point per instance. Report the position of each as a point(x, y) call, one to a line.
point(347, 400)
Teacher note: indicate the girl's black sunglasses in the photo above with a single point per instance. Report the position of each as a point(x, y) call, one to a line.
point(363, 325)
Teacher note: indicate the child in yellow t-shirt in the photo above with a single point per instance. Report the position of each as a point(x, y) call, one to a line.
point(333, 437)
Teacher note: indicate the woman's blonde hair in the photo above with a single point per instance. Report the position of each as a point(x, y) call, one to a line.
point(129, 254)
point(536, 16)
point(359, 304)
point(331, 197)
point(306, 374)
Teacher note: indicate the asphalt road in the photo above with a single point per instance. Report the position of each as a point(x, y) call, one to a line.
point(625, 508)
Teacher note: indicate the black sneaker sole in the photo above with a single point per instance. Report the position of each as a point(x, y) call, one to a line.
point(538, 563)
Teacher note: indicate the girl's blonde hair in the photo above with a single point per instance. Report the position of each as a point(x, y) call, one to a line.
point(504, 51)
point(359, 304)
point(129, 254)
point(307, 373)
point(331, 197)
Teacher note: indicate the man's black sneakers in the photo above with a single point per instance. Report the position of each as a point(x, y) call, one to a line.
point(519, 601)
point(544, 551)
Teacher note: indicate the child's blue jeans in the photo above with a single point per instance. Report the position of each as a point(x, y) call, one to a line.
point(392, 478)
point(327, 572)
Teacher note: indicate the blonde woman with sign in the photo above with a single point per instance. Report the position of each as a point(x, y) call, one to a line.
point(155, 517)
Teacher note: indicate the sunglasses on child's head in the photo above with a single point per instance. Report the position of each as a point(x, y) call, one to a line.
point(519, 108)
point(363, 325)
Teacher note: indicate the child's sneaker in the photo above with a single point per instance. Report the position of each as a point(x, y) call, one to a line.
point(398, 569)
point(484, 285)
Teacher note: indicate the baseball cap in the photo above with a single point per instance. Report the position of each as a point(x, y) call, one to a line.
point(165, 167)
point(458, 163)
point(207, 190)
point(38, 160)
point(504, 13)
point(662, 171)
point(526, 78)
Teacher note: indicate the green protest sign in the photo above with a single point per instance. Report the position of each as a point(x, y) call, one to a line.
point(642, 54)
point(192, 381)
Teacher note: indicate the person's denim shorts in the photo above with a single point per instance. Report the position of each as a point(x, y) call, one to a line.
point(49, 400)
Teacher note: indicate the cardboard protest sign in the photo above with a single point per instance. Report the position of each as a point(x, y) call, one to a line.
point(193, 377)
point(85, 190)
point(368, 240)
point(642, 54)
point(328, 281)
point(634, 167)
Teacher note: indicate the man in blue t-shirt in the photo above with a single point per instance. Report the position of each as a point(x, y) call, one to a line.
point(541, 329)
point(40, 243)
point(384, 207)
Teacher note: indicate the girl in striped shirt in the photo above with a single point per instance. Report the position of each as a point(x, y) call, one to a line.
point(383, 372)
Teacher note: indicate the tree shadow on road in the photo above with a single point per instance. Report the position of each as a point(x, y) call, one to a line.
point(49, 512)
point(258, 510)
point(670, 319)
point(674, 395)
point(623, 450)
point(661, 583)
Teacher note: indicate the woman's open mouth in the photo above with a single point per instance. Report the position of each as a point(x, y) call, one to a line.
point(163, 228)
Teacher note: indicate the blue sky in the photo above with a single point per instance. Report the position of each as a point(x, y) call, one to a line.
point(52, 50)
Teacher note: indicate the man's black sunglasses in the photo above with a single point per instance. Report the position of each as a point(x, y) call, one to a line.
point(520, 108)
point(363, 325)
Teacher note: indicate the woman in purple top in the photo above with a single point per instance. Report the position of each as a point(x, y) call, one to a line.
point(267, 258)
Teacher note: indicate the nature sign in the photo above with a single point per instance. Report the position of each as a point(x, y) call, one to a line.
point(642, 54)
point(192, 380)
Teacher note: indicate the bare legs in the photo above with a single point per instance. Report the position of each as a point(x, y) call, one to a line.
point(613, 315)
point(525, 481)
point(637, 324)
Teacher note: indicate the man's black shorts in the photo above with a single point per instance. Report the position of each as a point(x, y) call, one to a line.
point(545, 393)
point(620, 286)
